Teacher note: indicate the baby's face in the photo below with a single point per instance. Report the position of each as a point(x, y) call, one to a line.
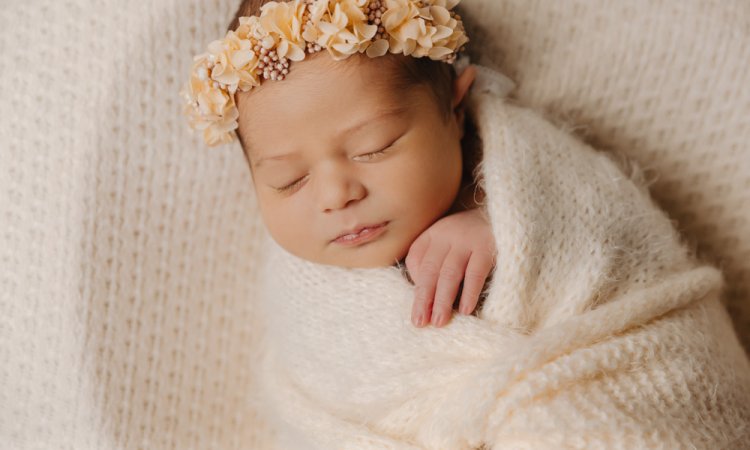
point(330, 152)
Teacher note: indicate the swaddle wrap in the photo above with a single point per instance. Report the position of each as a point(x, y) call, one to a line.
point(599, 329)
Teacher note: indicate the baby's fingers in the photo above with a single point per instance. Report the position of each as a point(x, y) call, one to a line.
point(451, 273)
point(426, 279)
point(477, 271)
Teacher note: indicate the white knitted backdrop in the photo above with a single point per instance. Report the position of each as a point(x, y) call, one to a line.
point(127, 248)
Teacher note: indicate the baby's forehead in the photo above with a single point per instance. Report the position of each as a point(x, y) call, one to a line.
point(382, 121)
point(321, 99)
point(302, 106)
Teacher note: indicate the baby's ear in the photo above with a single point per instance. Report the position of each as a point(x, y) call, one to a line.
point(461, 85)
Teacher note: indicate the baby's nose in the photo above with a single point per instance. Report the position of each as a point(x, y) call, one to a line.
point(339, 191)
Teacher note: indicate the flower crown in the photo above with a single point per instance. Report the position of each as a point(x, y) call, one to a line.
point(262, 47)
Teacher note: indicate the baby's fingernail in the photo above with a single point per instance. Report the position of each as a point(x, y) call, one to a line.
point(417, 320)
point(437, 319)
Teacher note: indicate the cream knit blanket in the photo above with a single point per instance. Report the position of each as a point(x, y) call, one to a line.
point(599, 330)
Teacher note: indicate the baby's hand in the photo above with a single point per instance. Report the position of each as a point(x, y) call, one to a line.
point(458, 246)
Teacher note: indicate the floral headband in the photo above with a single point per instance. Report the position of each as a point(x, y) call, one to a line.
point(262, 47)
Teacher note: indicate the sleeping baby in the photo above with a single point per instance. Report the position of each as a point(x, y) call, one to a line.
point(371, 172)
point(368, 170)
point(374, 148)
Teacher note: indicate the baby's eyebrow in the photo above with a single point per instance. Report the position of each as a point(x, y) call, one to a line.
point(274, 158)
point(382, 114)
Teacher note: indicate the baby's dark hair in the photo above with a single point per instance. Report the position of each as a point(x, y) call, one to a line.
point(405, 72)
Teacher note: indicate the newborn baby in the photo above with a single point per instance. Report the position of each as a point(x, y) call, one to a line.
point(356, 165)
point(359, 162)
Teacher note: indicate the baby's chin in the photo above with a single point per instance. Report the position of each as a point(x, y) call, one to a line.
point(356, 258)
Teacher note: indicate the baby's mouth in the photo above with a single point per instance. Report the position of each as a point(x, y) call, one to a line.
point(364, 235)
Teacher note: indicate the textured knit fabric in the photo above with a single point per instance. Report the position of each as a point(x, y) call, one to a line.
point(663, 82)
point(599, 330)
point(128, 251)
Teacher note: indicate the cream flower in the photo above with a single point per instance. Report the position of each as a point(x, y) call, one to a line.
point(210, 109)
point(250, 28)
point(341, 27)
point(283, 21)
point(404, 26)
point(221, 131)
point(233, 62)
point(449, 34)
point(426, 31)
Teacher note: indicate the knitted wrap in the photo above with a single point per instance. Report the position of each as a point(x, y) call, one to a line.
point(600, 329)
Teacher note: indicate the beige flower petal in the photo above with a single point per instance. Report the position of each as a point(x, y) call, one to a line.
point(365, 30)
point(442, 32)
point(425, 39)
point(440, 14)
point(241, 58)
point(295, 53)
point(377, 48)
point(328, 28)
point(439, 52)
point(343, 48)
point(395, 15)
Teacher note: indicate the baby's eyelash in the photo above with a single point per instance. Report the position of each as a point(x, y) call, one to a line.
point(289, 187)
point(370, 155)
point(297, 182)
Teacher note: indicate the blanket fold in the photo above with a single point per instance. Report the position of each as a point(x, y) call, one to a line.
point(599, 330)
